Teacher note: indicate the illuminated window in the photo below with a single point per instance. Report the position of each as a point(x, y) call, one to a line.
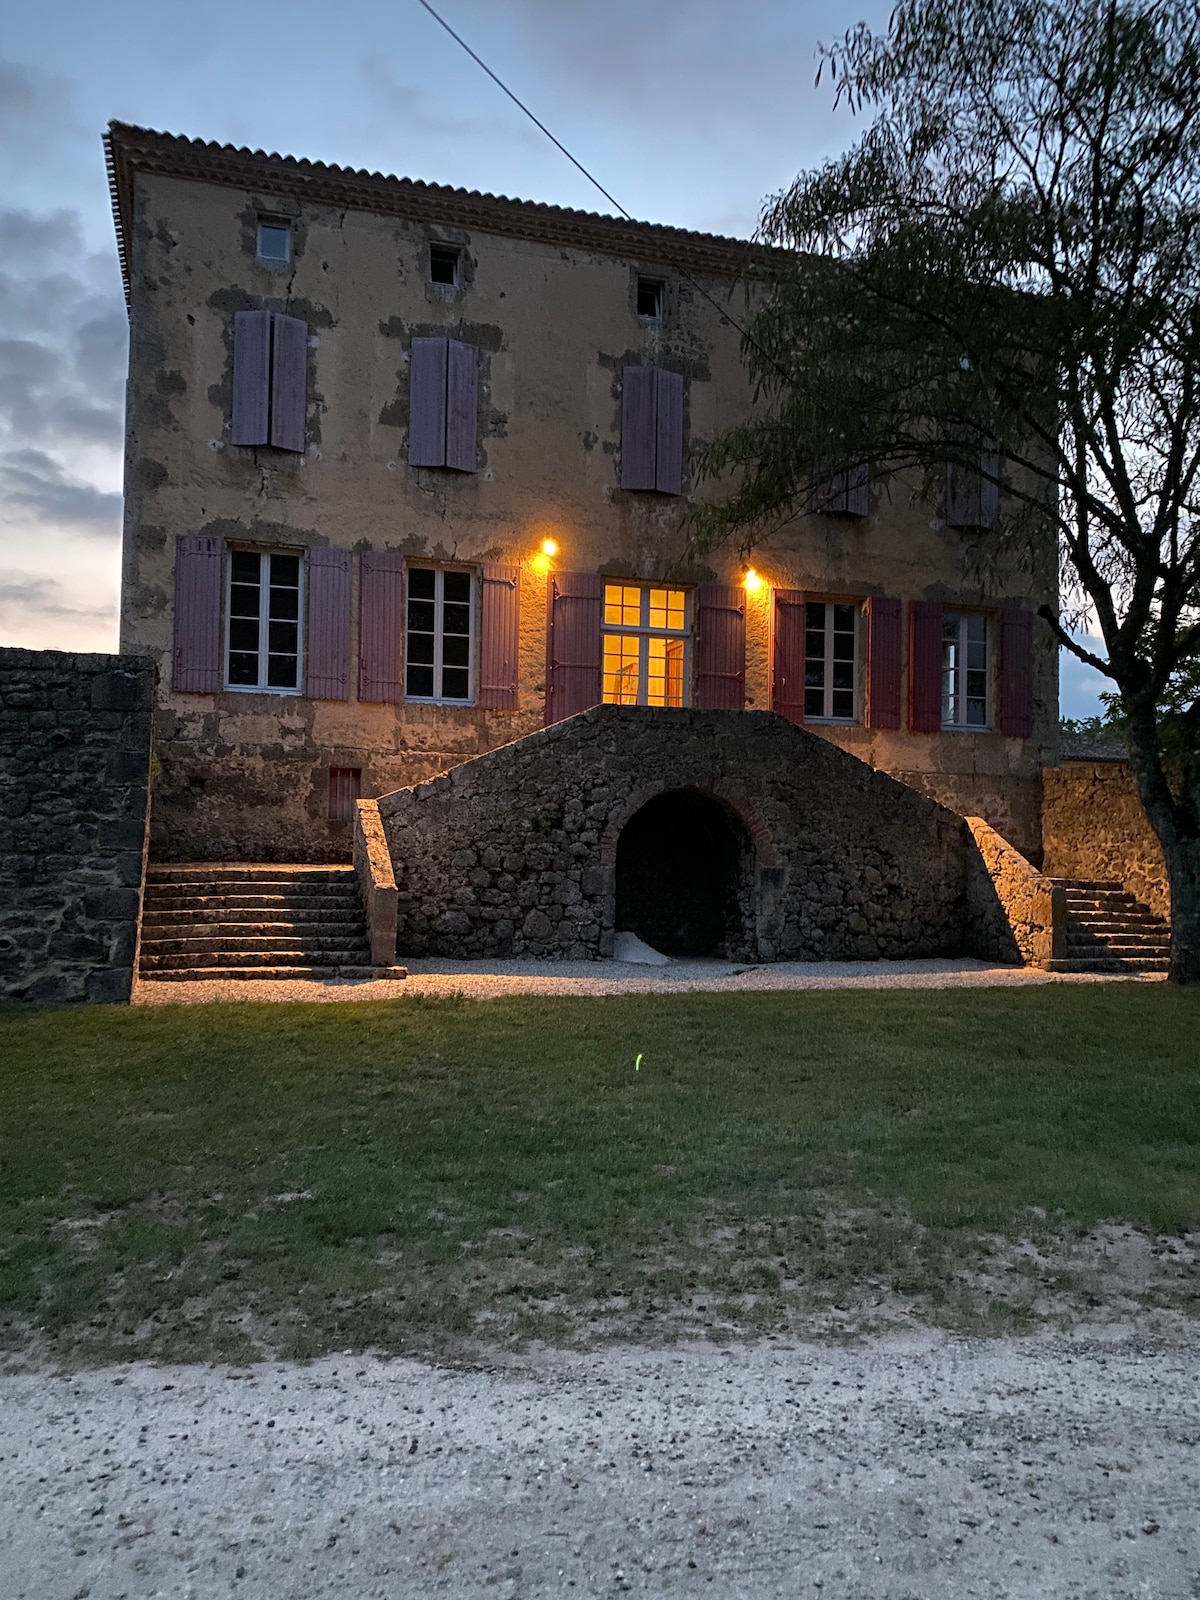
point(646, 645)
point(831, 661)
point(964, 670)
point(441, 617)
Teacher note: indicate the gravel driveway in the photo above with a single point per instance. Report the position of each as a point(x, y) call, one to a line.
point(916, 1468)
point(490, 980)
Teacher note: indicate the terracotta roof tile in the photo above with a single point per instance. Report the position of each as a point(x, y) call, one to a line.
point(130, 150)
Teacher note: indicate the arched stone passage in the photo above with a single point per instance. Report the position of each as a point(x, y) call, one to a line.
point(685, 875)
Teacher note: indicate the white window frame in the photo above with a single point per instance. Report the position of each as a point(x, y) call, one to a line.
point(449, 250)
point(960, 670)
point(472, 642)
point(281, 225)
point(827, 692)
point(264, 600)
point(643, 631)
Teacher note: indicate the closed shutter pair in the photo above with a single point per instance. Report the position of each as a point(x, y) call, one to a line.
point(883, 658)
point(199, 593)
point(1015, 712)
point(575, 606)
point(270, 380)
point(652, 430)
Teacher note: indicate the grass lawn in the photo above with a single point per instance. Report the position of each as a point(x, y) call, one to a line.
point(228, 1181)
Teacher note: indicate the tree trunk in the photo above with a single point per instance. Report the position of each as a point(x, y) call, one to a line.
point(1173, 814)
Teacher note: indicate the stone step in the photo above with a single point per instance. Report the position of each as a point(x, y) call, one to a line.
point(1097, 964)
point(1088, 883)
point(251, 872)
point(238, 902)
point(1124, 949)
point(246, 974)
point(352, 939)
point(251, 917)
point(255, 958)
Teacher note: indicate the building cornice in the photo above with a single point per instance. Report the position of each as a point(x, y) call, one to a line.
point(130, 150)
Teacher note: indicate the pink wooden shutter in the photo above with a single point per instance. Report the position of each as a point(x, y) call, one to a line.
point(327, 644)
point(962, 497)
point(289, 383)
point(572, 644)
point(989, 489)
point(924, 666)
point(787, 667)
point(380, 626)
point(462, 406)
point(668, 457)
point(199, 579)
point(883, 662)
point(639, 432)
point(251, 377)
point(1016, 672)
point(720, 648)
point(427, 364)
point(499, 638)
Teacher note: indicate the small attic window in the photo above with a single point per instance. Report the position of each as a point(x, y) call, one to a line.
point(650, 299)
point(275, 242)
point(443, 264)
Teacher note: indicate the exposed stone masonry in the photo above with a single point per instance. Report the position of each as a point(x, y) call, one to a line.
point(515, 853)
point(74, 777)
point(1094, 829)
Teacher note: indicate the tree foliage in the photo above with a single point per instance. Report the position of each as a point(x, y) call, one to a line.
point(1008, 261)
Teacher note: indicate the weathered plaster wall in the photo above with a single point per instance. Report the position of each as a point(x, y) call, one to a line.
point(74, 778)
point(514, 854)
point(245, 775)
point(1095, 829)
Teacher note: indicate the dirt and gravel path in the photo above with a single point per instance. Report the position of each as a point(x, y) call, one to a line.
point(914, 1468)
point(490, 980)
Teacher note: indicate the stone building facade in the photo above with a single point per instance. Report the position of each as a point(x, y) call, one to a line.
point(74, 786)
point(408, 477)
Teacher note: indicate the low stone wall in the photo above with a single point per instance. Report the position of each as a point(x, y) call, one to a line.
point(1094, 828)
point(376, 882)
point(1017, 916)
point(515, 853)
point(74, 779)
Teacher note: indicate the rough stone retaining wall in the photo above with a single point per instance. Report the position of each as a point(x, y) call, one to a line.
point(514, 853)
point(74, 778)
point(1094, 828)
point(1016, 914)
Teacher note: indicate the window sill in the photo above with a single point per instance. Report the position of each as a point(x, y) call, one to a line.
point(967, 727)
point(833, 722)
point(254, 688)
point(431, 700)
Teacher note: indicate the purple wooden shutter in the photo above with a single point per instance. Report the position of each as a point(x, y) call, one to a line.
point(883, 662)
point(251, 377)
point(327, 645)
point(427, 364)
point(857, 493)
point(639, 432)
point(289, 382)
point(962, 496)
point(462, 406)
point(668, 456)
point(572, 644)
point(499, 638)
point(924, 666)
point(380, 626)
point(199, 579)
point(989, 489)
point(1016, 672)
point(720, 648)
point(787, 664)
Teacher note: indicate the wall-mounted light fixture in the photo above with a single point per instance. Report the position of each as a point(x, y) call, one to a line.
point(753, 581)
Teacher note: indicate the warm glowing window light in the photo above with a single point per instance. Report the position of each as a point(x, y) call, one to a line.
point(645, 645)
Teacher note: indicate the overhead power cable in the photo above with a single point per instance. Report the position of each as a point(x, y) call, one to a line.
point(595, 182)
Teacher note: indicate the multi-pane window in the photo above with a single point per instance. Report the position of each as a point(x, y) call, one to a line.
point(264, 620)
point(964, 670)
point(831, 660)
point(441, 615)
point(645, 645)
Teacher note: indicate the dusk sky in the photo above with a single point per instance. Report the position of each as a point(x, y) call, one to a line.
point(688, 113)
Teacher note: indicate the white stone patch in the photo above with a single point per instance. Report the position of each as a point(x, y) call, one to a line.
point(628, 947)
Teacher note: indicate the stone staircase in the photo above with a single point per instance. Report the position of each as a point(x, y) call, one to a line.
point(1109, 931)
point(217, 922)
